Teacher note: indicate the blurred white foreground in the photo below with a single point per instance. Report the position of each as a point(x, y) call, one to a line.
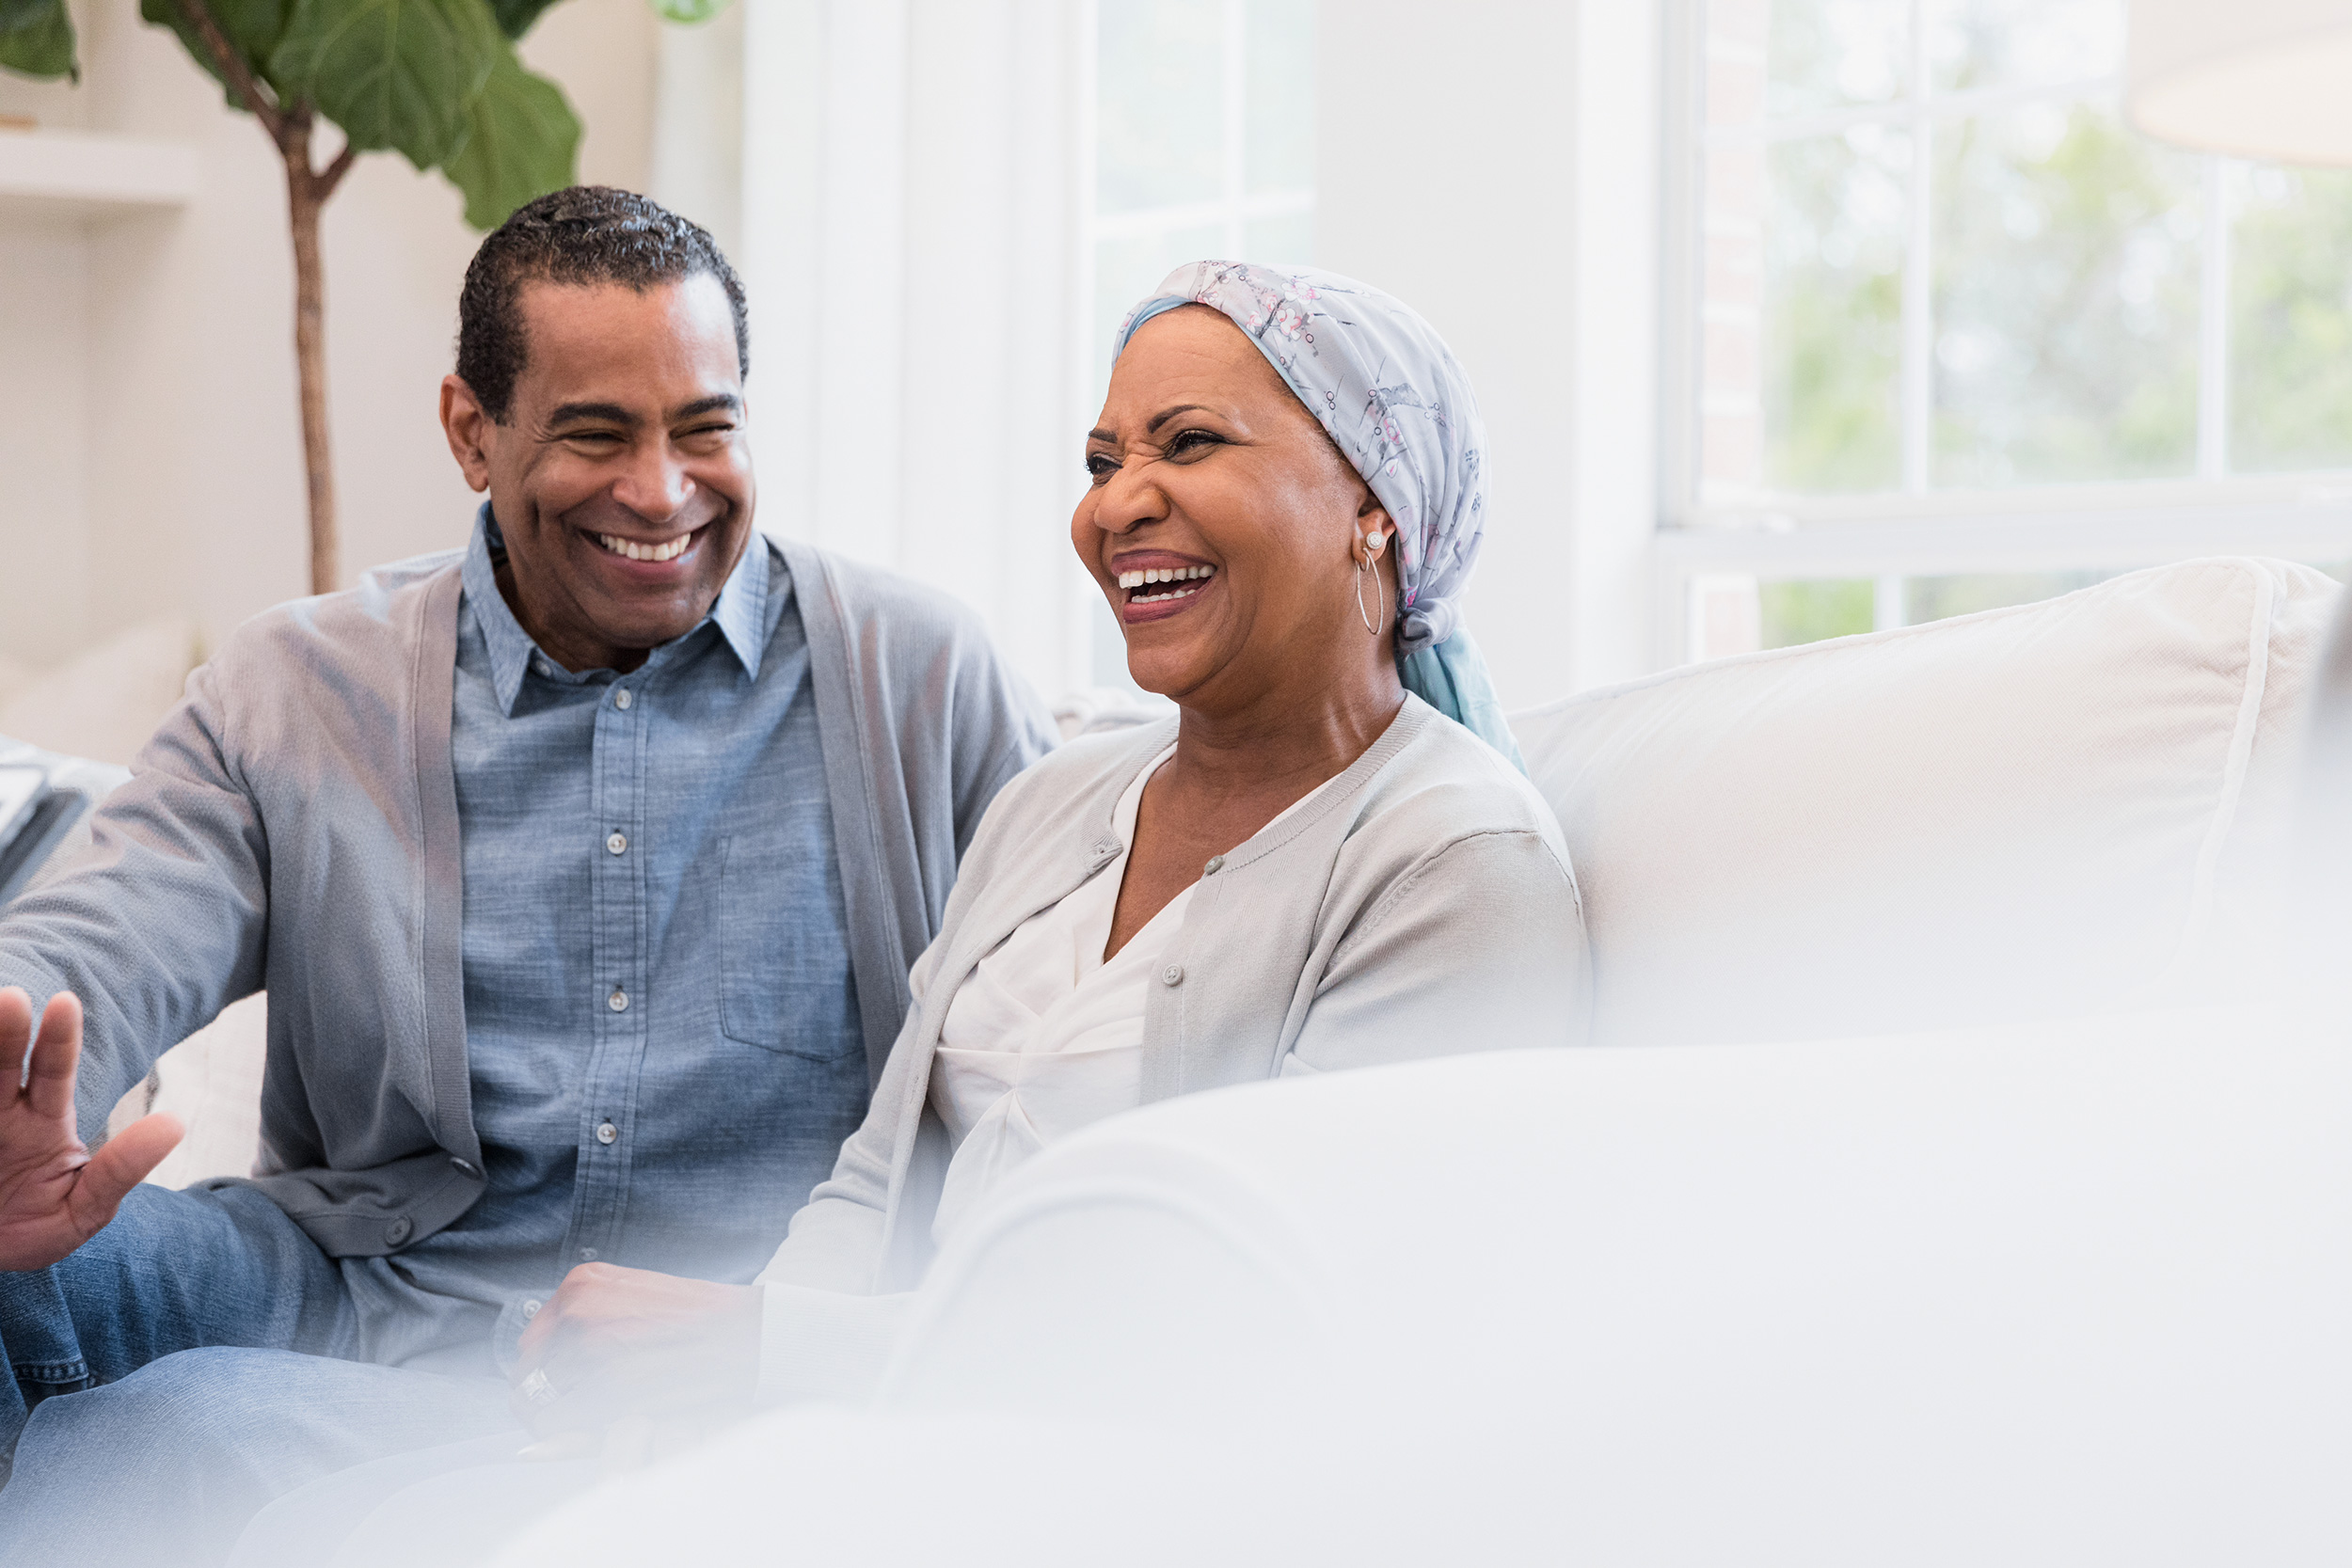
point(2070, 1292)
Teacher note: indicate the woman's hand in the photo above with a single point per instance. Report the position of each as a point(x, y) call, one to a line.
point(616, 1343)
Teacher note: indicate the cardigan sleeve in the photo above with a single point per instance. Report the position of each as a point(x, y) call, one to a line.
point(1479, 946)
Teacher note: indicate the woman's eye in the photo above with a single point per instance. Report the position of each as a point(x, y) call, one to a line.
point(1186, 442)
point(1101, 464)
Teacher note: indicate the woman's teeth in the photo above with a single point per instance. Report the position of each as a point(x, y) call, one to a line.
point(1192, 575)
point(669, 551)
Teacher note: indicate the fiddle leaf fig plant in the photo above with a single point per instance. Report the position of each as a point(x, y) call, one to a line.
point(437, 81)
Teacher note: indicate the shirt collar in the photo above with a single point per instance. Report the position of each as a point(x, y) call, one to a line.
point(740, 612)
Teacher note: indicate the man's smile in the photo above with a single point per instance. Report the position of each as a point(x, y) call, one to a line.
point(647, 550)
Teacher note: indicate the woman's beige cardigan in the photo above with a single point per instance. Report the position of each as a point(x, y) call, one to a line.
point(1421, 906)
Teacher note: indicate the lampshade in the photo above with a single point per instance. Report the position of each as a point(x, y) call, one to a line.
point(2258, 78)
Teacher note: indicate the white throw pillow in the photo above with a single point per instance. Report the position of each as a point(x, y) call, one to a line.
point(2056, 808)
point(104, 704)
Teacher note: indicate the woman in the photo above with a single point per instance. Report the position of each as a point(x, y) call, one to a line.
point(1328, 858)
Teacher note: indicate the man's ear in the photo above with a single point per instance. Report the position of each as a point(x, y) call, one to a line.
point(468, 428)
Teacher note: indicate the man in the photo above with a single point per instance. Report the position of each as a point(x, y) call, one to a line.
point(583, 869)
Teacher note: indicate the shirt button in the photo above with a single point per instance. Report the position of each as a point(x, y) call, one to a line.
point(618, 1000)
point(616, 842)
point(607, 1132)
point(1173, 976)
point(545, 669)
point(397, 1232)
point(587, 1254)
point(530, 1309)
point(1216, 864)
point(1107, 847)
point(621, 699)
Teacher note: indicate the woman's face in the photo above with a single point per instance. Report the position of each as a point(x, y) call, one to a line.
point(1214, 482)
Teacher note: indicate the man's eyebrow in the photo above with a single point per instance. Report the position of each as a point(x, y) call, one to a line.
point(1167, 414)
point(602, 413)
point(726, 402)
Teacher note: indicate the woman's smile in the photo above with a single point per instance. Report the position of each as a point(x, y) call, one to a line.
point(1156, 584)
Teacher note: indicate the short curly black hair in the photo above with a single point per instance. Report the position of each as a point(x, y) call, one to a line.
point(586, 234)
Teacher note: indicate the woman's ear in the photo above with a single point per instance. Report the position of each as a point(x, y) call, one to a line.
point(1373, 528)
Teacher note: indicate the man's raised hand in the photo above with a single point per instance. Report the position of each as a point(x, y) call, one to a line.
point(54, 1195)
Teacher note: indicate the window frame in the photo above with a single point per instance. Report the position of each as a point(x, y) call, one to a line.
point(1916, 529)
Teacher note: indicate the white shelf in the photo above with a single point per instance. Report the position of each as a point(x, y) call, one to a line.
point(90, 174)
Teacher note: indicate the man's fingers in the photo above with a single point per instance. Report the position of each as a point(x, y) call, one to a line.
point(125, 1161)
point(16, 1032)
point(56, 1054)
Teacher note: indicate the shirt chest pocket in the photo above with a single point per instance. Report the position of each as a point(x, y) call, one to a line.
point(783, 954)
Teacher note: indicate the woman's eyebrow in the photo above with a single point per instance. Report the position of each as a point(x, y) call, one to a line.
point(1167, 414)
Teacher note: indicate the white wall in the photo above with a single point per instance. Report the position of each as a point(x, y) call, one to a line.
point(1492, 163)
point(160, 468)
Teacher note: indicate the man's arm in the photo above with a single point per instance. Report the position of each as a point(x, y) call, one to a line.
point(160, 921)
point(1000, 727)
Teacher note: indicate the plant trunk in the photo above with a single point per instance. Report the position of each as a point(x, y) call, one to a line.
point(306, 197)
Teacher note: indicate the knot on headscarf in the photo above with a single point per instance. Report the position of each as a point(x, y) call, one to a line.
point(1397, 404)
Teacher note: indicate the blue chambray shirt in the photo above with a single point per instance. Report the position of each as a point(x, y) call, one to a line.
point(661, 1029)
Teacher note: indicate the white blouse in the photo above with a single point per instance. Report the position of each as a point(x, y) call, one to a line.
point(1045, 1036)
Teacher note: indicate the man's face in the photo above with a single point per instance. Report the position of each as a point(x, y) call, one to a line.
point(620, 478)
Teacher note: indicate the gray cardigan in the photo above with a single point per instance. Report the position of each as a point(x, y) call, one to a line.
point(1421, 905)
point(294, 825)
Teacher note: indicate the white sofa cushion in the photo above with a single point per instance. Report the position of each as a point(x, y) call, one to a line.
point(1810, 1302)
point(2055, 808)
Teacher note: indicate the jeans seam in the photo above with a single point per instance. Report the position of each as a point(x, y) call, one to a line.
point(51, 1372)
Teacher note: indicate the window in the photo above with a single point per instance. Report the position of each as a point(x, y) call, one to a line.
point(1959, 335)
point(1203, 146)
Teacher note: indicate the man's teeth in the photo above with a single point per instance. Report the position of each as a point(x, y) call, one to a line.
point(1162, 574)
point(669, 551)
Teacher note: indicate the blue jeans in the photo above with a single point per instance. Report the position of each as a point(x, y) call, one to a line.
point(154, 1407)
point(175, 1271)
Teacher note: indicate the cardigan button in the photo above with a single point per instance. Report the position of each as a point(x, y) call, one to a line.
point(397, 1232)
point(1173, 976)
point(465, 1167)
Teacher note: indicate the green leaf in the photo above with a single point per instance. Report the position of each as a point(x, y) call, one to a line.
point(37, 40)
point(523, 142)
point(689, 10)
point(253, 26)
point(515, 16)
point(396, 73)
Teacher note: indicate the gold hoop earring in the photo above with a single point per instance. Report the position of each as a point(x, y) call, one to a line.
point(1364, 568)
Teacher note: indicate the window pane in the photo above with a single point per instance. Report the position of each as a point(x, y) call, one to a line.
point(1160, 128)
point(1288, 241)
point(2291, 320)
point(1941, 598)
point(2066, 300)
point(1281, 107)
point(1127, 271)
point(1795, 613)
point(1832, 337)
point(1985, 44)
point(1830, 53)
